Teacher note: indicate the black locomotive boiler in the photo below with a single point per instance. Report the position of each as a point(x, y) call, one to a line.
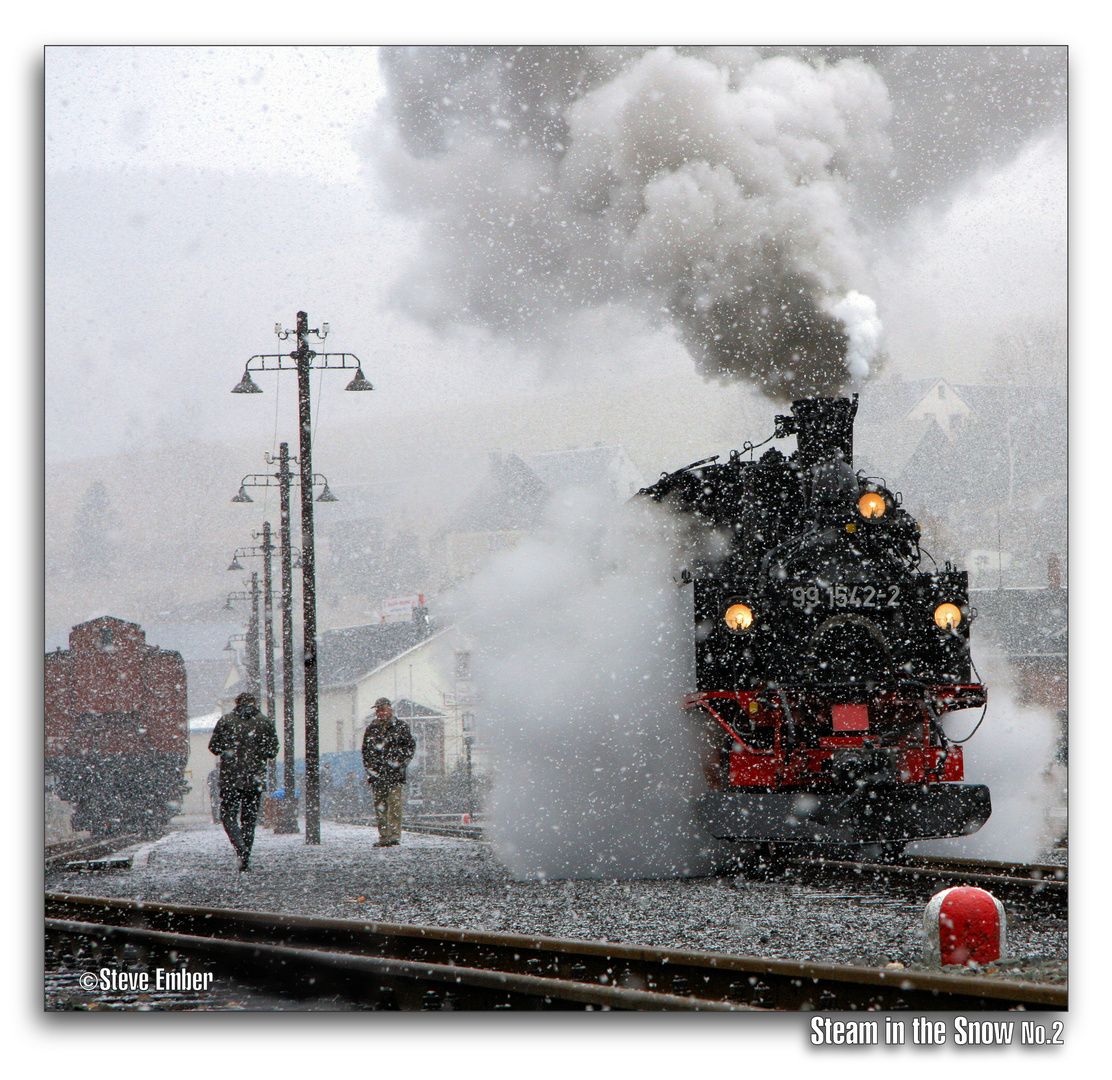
point(824, 655)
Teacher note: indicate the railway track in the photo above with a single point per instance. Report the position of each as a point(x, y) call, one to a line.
point(1036, 884)
point(465, 832)
point(427, 828)
point(86, 852)
point(399, 966)
point(1041, 885)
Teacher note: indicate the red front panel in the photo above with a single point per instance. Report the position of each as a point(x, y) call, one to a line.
point(853, 727)
point(753, 770)
point(919, 765)
point(850, 717)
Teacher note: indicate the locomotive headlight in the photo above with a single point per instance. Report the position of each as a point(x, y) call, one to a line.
point(947, 616)
point(738, 617)
point(872, 505)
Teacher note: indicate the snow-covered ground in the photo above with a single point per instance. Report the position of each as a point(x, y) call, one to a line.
point(443, 881)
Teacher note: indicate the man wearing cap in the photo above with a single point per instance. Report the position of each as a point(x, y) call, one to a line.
point(388, 745)
point(244, 740)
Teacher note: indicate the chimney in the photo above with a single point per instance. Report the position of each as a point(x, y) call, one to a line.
point(823, 428)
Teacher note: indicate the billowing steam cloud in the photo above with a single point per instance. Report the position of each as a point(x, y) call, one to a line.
point(714, 188)
point(583, 657)
point(1014, 752)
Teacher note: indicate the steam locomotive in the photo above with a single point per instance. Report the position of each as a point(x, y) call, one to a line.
point(116, 729)
point(825, 657)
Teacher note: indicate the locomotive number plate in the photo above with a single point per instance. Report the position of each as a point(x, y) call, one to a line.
point(836, 595)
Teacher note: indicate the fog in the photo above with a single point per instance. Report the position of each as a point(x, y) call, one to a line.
point(186, 214)
point(533, 250)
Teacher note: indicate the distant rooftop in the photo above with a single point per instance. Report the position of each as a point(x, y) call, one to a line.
point(347, 655)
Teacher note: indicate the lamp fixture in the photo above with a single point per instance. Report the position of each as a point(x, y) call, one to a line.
point(246, 385)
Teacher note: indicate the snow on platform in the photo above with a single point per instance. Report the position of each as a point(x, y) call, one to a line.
point(458, 883)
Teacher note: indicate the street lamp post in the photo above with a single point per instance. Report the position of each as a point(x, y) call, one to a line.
point(468, 741)
point(304, 360)
point(264, 551)
point(283, 479)
point(251, 638)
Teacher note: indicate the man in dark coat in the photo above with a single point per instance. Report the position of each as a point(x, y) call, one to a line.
point(388, 745)
point(244, 740)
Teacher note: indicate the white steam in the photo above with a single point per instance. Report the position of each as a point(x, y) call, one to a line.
point(584, 646)
point(1014, 753)
point(863, 329)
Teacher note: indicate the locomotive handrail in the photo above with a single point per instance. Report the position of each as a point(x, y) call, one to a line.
point(698, 701)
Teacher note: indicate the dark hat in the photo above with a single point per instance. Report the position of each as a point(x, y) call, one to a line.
point(245, 699)
point(384, 701)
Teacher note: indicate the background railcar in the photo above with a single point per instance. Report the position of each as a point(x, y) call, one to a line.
point(116, 729)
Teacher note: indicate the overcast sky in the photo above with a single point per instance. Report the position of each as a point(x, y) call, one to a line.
point(153, 304)
point(197, 196)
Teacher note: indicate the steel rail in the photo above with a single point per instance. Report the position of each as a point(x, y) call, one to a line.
point(692, 975)
point(85, 849)
point(305, 970)
point(1034, 871)
point(1038, 884)
point(460, 832)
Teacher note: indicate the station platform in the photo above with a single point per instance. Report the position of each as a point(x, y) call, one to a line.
point(344, 876)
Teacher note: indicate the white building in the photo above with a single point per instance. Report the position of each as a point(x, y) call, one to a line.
point(199, 764)
point(423, 668)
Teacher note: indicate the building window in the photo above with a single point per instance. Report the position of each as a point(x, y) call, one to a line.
point(463, 665)
point(467, 720)
point(430, 748)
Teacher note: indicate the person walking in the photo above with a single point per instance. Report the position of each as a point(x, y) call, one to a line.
point(244, 740)
point(214, 792)
point(388, 745)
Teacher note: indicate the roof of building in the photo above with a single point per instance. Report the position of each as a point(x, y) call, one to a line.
point(405, 709)
point(1023, 622)
point(201, 724)
point(582, 465)
point(510, 498)
point(345, 656)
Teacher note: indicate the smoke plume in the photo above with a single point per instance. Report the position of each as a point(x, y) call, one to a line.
point(713, 189)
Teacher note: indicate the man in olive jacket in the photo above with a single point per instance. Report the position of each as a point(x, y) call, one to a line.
point(244, 740)
point(388, 745)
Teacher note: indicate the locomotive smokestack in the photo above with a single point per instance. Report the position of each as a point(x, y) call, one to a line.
point(823, 428)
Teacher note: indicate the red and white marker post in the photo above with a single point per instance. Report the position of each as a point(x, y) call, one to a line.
point(964, 925)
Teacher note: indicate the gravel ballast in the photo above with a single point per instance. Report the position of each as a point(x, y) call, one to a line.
point(449, 882)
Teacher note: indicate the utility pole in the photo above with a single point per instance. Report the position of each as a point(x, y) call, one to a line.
point(251, 638)
point(284, 478)
point(265, 551)
point(304, 355)
point(253, 679)
point(303, 359)
point(268, 637)
point(288, 824)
